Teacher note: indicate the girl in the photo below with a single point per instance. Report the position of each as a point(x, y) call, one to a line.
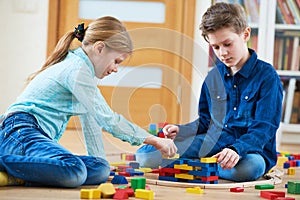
point(65, 86)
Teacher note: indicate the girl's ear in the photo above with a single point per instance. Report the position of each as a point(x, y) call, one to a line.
point(247, 33)
point(99, 46)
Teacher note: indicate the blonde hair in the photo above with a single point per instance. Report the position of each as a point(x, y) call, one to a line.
point(107, 29)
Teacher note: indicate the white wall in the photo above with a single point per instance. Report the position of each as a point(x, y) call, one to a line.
point(200, 61)
point(23, 39)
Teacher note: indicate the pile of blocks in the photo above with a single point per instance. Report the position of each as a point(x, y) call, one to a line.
point(204, 170)
point(136, 189)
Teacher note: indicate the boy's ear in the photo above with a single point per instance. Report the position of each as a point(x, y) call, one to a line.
point(247, 33)
point(99, 46)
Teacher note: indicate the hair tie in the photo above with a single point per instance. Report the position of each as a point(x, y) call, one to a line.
point(79, 32)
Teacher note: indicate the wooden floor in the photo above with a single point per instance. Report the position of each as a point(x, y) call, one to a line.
point(73, 141)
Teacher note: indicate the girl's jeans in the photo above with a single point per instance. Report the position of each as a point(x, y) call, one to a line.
point(248, 168)
point(26, 152)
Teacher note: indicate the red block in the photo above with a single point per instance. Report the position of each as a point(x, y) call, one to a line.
point(284, 198)
point(209, 178)
point(121, 194)
point(292, 163)
point(271, 194)
point(124, 174)
point(237, 189)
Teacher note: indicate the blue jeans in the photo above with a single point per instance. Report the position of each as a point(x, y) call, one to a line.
point(248, 168)
point(27, 152)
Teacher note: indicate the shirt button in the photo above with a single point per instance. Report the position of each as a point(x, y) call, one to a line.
point(226, 125)
point(234, 108)
point(234, 86)
point(246, 97)
point(218, 97)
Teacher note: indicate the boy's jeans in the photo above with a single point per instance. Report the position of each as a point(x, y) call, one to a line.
point(26, 152)
point(248, 168)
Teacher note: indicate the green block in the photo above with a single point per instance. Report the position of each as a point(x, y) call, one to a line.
point(138, 183)
point(264, 187)
point(293, 187)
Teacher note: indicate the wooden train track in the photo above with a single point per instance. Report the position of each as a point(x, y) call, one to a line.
point(273, 178)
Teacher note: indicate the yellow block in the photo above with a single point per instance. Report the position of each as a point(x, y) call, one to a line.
point(185, 176)
point(90, 194)
point(116, 164)
point(174, 157)
point(144, 194)
point(145, 170)
point(291, 171)
point(183, 167)
point(195, 190)
point(107, 190)
point(281, 160)
point(208, 160)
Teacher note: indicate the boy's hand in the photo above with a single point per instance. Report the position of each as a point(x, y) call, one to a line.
point(227, 158)
point(164, 145)
point(171, 131)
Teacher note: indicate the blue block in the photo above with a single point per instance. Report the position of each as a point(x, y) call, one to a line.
point(138, 173)
point(118, 179)
point(291, 158)
point(203, 173)
point(112, 173)
point(286, 165)
point(203, 182)
point(168, 178)
point(134, 165)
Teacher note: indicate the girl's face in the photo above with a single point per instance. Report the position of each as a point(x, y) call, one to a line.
point(106, 60)
point(230, 47)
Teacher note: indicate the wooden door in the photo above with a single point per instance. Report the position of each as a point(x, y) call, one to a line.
point(166, 46)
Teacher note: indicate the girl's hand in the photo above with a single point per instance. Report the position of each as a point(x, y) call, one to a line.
point(171, 131)
point(227, 158)
point(164, 145)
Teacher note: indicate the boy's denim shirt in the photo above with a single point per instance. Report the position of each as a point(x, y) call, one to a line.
point(243, 110)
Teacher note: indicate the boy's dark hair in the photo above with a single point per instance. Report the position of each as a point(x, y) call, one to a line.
point(223, 15)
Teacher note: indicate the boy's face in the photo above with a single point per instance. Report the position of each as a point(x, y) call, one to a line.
point(230, 47)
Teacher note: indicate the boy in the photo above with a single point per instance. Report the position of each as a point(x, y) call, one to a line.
point(239, 106)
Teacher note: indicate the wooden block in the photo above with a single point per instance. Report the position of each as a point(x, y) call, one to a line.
point(107, 190)
point(294, 187)
point(183, 167)
point(264, 186)
point(144, 194)
point(116, 164)
point(271, 194)
point(208, 160)
point(195, 190)
point(118, 179)
point(138, 183)
point(121, 194)
point(145, 169)
point(291, 171)
point(90, 194)
point(209, 178)
point(185, 176)
point(237, 189)
point(170, 158)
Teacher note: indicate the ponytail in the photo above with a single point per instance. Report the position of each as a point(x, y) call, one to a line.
point(59, 53)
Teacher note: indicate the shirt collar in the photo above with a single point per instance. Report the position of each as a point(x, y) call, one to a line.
point(80, 53)
point(247, 69)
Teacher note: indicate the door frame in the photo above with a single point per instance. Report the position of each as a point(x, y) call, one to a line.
point(187, 45)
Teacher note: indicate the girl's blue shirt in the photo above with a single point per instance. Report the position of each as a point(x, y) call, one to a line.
point(69, 88)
